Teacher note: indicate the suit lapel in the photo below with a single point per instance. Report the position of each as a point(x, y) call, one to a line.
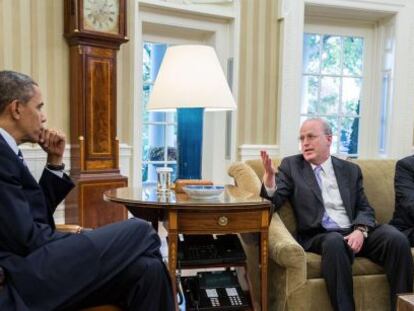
point(342, 178)
point(5, 146)
point(310, 179)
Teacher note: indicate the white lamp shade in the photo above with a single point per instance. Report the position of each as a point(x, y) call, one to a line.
point(190, 76)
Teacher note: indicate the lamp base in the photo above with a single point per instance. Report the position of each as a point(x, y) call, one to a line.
point(190, 142)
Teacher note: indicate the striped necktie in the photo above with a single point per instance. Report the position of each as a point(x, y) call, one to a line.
point(20, 155)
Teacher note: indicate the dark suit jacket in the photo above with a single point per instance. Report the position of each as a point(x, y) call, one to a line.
point(43, 267)
point(403, 217)
point(297, 183)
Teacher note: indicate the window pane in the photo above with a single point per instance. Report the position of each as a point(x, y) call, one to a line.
point(353, 49)
point(334, 92)
point(156, 138)
point(349, 136)
point(155, 116)
point(331, 55)
point(145, 143)
point(351, 92)
point(310, 94)
point(171, 141)
point(144, 172)
point(146, 69)
point(145, 98)
point(329, 101)
point(384, 111)
point(333, 122)
point(311, 53)
point(171, 117)
point(159, 130)
point(152, 172)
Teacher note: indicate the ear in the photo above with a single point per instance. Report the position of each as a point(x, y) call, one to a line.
point(14, 109)
point(329, 138)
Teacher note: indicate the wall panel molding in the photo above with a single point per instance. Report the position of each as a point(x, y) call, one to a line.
point(251, 152)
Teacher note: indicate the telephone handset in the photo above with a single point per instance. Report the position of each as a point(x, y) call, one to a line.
point(213, 291)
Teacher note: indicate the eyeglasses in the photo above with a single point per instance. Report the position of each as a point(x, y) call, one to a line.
point(309, 137)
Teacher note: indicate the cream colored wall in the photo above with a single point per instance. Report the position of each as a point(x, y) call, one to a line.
point(259, 50)
point(31, 42)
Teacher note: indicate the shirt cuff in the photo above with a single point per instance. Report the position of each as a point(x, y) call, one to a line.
point(270, 191)
point(57, 173)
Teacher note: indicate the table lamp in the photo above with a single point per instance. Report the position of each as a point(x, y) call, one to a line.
point(190, 80)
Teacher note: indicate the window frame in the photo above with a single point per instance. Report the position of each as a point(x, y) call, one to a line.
point(165, 124)
point(368, 112)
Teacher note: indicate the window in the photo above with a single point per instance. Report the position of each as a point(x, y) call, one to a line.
point(332, 80)
point(159, 129)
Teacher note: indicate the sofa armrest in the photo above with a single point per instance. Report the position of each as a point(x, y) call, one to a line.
point(69, 228)
point(244, 177)
point(286, 252)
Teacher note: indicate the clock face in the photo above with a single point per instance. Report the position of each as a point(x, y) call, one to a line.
point(101, 15)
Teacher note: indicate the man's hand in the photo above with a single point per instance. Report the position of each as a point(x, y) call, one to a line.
point(270, 171)
point(53, 143)
point(355, 241)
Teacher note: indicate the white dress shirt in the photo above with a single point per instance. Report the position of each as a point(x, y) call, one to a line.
point(332, 201)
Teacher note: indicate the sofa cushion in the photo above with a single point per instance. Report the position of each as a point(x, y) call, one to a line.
point(378, 181)
point(361, 266)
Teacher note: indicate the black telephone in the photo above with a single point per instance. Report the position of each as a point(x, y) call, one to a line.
point(214, 291)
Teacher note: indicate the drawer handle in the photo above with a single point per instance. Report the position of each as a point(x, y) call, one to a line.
point(223, 221)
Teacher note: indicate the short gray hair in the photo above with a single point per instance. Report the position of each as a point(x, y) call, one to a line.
point(327, 129)
point(15, 85)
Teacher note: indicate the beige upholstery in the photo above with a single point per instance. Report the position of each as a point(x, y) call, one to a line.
point(295, 281)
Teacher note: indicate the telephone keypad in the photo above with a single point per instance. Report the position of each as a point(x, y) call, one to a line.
point(235, 300)
point(214, 291)
point(215, 302)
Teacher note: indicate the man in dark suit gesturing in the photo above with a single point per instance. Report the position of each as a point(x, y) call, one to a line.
point(46, 270)
point(334, 218)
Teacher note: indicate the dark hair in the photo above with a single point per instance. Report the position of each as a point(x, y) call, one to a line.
point(15, 85)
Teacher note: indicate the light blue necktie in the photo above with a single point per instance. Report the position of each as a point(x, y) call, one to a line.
point(317, 170)
point(327, 222)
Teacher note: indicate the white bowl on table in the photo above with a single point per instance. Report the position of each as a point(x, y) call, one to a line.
point(203, 192)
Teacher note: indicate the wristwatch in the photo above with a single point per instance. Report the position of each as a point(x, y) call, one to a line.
point(363, 229)
point(54, 167)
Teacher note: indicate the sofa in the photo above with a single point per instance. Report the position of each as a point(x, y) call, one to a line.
point(295, 281)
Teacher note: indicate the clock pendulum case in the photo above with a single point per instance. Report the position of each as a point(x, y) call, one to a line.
point(94, 30)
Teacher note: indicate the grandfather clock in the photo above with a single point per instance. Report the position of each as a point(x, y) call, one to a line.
point(94, 30)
